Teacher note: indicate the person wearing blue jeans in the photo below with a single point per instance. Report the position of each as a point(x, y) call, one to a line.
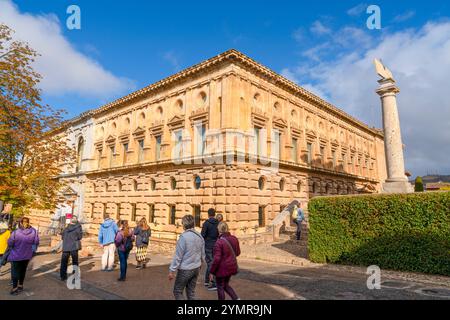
point(298, 219)
point(124, 243)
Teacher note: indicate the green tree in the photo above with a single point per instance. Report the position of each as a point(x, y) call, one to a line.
point(418, 186)
point(31, 154)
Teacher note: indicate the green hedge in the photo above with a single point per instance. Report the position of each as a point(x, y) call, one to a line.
point(409, 232)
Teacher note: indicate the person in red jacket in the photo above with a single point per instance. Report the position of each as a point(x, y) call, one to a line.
point(224, 263)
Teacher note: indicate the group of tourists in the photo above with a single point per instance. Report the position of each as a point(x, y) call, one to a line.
point(216, 246)
point(120, 236)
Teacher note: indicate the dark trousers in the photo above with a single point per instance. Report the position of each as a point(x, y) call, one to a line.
point(65, 261)
point(209, 259)
point(223, 285)
point(123, 258)
point(18, 272)
point(298, 233)
point(186, 279)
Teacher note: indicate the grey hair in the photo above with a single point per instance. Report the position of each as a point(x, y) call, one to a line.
point(188, 222)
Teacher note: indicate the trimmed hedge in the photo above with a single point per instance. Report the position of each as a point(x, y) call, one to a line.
point(407, 232)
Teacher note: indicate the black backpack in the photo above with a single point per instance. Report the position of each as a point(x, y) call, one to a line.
point(128, 243)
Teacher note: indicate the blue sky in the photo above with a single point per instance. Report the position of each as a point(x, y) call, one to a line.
point(131, 44)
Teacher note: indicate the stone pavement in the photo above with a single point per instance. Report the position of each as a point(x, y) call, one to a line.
point(257, 279)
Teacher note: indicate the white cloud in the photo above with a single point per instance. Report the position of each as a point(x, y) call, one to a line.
point(64, 69)
point(357, 10)
point(172, 59)
point(420, 62)
point(318, 28)
point(404, 16)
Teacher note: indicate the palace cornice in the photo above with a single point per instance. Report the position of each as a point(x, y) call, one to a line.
point(237, 57)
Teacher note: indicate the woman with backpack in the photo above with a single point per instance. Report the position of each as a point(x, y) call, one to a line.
point(143, 234)
point(124, 243)
point(23, 244)
point(224, 263)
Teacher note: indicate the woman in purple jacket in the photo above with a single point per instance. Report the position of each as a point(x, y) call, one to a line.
point(23, 243)
point(124, 243)
point(224, 263)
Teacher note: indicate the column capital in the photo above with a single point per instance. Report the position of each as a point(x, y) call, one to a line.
point(387, 87)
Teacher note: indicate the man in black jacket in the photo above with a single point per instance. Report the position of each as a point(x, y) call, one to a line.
point(71, 237)
point(210, 234)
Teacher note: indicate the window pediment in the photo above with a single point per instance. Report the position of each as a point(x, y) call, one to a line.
point(176, 122)
point(110, 140)
point(156, 127)
point(139, 132)
point(199, 115)
point(279, 123)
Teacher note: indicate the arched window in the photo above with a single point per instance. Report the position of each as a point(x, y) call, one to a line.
point(173, 183)
point(261, 183)
point(197, 182)
point(80, 149)
point(282, 184)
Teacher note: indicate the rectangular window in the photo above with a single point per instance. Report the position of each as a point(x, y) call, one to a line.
point(309, 149)
point(151, 213)
point(257, 141)
point(201, 142)
point(172, 214)
point(322, 153)
point(112, 151)
point(294, 150)
point(125, 153)
point(333, 155)
point(197, 216)
point(99, 159)
point(158, 148)
point(133, 212)
point(141, 151)
point(261, 217)
point(105, 210)
point(179, 143)
point(118, 211)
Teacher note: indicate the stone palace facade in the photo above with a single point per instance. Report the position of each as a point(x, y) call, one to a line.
point(227, 133)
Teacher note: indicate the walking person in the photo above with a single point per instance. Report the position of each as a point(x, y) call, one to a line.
point(210, 234)
point(188, 258)
point(225, 264)
point(143, 234)
point(71, 238)
point(23, 243)
point(4, 236)
point(298, 216)
point(106, 236)
point(124, 243)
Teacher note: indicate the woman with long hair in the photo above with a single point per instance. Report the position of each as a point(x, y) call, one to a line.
point(124, 243)
point(23, 243)
point(142, 233)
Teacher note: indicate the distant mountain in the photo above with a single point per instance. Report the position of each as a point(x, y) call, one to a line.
point(436, 178)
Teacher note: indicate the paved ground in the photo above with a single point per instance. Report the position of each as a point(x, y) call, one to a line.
point(256, 280)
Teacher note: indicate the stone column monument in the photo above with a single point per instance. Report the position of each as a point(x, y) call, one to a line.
point(396, 181)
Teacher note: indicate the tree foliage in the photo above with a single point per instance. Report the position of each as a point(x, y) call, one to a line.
point(418, 185)
point(31, 151)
